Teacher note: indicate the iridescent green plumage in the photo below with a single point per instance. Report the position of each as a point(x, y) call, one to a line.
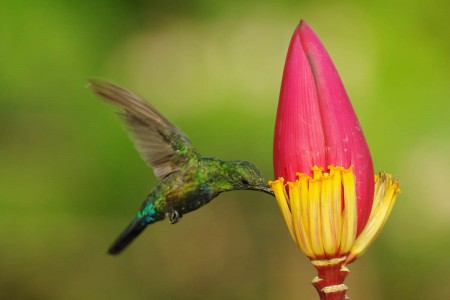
point(188, 181)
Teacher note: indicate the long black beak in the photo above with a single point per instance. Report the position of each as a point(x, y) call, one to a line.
point(269, 191)
point(266, 190)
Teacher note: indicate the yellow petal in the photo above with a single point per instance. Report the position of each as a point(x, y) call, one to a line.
point(349, 216)
point(386, 191)
point(302, 236)
point(278, 189)
point(315, 226)
point(327, 216)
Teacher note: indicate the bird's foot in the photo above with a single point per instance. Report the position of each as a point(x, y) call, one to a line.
point(174, 216)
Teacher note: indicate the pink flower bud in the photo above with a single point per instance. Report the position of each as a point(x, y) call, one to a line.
point(316, 124)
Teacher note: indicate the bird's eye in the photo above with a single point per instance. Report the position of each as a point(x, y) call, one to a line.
point(244, 181)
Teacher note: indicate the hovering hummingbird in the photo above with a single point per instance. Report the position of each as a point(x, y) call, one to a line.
point(188, 180)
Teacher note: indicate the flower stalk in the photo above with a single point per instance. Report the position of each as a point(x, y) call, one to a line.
point(329, 281)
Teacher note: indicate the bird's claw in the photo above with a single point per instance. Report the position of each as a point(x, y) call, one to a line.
point(174, 217)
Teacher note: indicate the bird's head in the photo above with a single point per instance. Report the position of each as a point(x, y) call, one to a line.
point(246, 176)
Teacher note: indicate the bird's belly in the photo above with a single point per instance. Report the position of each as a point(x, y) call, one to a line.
point(190, 201)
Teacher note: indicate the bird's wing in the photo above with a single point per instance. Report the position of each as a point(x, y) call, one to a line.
point(162, 145)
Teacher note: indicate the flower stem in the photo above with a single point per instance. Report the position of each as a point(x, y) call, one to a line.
point(329, 281)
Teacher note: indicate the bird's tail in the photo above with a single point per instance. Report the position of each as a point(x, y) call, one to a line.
point(127, 236)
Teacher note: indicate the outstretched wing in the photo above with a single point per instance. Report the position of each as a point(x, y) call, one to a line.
point(162, 145)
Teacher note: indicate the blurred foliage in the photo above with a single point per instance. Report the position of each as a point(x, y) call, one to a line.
point(70, 178)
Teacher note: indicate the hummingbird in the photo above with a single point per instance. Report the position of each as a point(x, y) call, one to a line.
point(187, 180)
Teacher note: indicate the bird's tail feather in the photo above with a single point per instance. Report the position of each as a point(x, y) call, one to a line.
point(127, 236)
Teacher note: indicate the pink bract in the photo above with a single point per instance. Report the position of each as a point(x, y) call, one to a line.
point(316, 123)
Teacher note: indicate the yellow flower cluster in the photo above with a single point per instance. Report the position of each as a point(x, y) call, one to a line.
point(321, 212)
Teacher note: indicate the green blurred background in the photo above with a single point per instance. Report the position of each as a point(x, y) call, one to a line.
point(71, 180)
